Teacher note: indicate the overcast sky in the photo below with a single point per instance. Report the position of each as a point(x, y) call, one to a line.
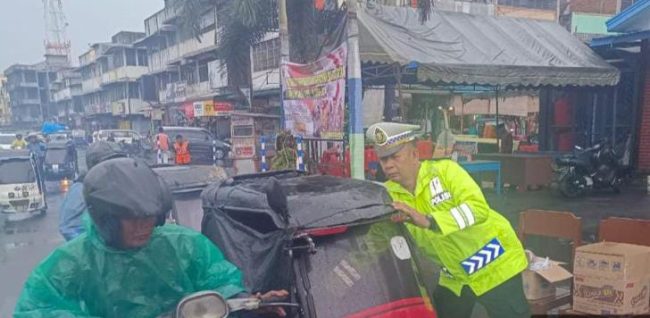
point(22, 28)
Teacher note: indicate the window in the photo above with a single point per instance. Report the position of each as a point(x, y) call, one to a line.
point(118, 59)
point(32, 93)
point(130, 57)
point(203, 72)
point(266, 55)
point(30, 77)
point(102, 66)
point(16, 171)
point(142, 58)
point(188, 74)
point(134, 90)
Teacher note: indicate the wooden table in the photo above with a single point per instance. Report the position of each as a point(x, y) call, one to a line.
point(478, 166)
point(524, 169)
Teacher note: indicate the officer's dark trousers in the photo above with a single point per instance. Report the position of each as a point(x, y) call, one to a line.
point(504, 301)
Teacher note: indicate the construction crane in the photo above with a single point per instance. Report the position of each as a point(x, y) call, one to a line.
point(56, 38)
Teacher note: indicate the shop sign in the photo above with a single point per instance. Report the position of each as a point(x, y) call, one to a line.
point(241, 121)
point(198, 109)
point(175, 92)
point(223, 108)
point(243, 148)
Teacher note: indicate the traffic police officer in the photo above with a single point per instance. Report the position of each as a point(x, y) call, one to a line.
point(451, 222)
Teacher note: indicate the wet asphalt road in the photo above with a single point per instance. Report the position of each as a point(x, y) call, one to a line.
point(23, 244)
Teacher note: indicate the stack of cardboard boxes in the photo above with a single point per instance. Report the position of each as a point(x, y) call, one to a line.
point(608, 279)
point(612, 279)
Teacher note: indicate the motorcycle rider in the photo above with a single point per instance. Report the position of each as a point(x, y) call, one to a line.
point(73, 206)
point(450, 220)
point(19, 142)
point(38, 148)
point(129, 263)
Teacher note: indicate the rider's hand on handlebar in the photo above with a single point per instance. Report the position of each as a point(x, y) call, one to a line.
point(272, 296)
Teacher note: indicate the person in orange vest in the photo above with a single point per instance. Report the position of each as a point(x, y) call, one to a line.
point(162, 144)
point(181, 147)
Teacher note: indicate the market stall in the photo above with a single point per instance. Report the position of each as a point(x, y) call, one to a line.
point(460, 54)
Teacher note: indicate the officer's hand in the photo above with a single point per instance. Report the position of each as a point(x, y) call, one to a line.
point(408, 214)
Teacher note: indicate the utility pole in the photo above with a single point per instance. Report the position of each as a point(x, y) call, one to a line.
point(355, 109)
point(284, 50)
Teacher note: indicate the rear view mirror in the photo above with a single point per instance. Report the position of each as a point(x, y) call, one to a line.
point(207, 304)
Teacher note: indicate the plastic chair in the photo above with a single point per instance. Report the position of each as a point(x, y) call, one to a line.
point(551, 224)
point(625, 230)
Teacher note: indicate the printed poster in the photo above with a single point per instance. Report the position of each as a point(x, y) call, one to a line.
point(314, 96)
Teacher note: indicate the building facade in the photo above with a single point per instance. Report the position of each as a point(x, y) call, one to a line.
point(188, 83)
point(31, 89)
point(5, 110)
point(110, 83)
point(67, 98)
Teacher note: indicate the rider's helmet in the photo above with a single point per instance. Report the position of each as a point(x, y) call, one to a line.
point(101, 151)
point(124, 188)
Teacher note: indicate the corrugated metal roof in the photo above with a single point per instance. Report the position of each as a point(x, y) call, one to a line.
point(457, 48)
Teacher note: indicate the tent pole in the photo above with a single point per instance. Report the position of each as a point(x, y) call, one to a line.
point(614, 114)
point(497, 119)
point(398, 72)
point(354, 95)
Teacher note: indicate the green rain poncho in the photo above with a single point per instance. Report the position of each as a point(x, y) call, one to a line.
point(85, 278)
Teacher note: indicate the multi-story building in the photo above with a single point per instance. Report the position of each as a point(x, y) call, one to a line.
point(67, 97)
point(110, 87)
point(30, 90)
point(185, 72)
point(180, 63)
point(5, 110)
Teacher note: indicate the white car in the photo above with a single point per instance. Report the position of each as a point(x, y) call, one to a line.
point(120, 135)
point(6, 140)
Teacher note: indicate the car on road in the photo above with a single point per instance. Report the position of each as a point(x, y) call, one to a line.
point(60, 136)
point(6, 140)
point(130, 140)
point(21, 185)
point(120, 135)
point(201, 144)
point(60, 161)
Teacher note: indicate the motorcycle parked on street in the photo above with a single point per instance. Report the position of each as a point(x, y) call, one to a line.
point(598, 167)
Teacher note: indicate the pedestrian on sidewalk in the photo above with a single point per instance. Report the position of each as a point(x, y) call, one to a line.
point(162, 146)
point(450, 220)
point(181, 147)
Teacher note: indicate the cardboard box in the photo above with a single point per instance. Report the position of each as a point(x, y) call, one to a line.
point(541, 276)
point(612, 279)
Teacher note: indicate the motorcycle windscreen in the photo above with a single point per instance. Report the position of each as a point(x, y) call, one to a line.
point(56, 156)
point(366, 271)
